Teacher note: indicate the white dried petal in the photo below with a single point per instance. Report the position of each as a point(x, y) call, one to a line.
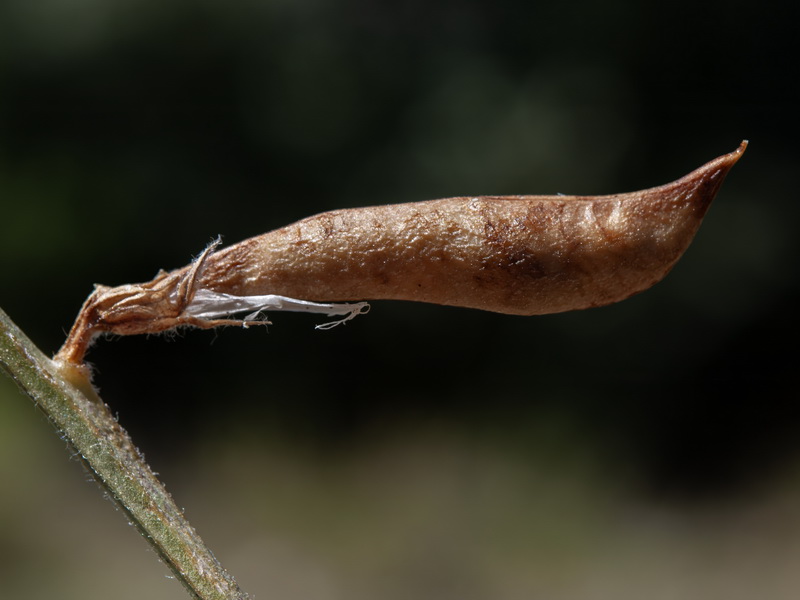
point(211, 305)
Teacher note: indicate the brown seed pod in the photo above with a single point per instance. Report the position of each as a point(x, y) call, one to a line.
point(523, 255)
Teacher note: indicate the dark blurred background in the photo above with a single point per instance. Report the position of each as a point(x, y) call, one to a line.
point(644, 448)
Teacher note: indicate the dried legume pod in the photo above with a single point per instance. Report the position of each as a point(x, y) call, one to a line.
point(523, 255)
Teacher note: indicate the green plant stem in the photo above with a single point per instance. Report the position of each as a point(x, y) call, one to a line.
point(85, 422)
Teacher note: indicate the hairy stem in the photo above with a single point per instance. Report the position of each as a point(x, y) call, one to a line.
point(81, 418)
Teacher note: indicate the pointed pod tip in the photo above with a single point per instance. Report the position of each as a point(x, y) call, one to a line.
point(720, 165)
point(728, 160)
point(710, 176)
point(736, 154)
point(704, 182)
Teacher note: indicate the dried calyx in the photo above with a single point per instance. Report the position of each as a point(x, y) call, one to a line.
point(176, 299)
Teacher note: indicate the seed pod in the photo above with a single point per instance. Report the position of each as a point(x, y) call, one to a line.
point(523, 255)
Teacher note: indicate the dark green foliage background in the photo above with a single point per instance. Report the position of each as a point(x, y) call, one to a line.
point(133, 133)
